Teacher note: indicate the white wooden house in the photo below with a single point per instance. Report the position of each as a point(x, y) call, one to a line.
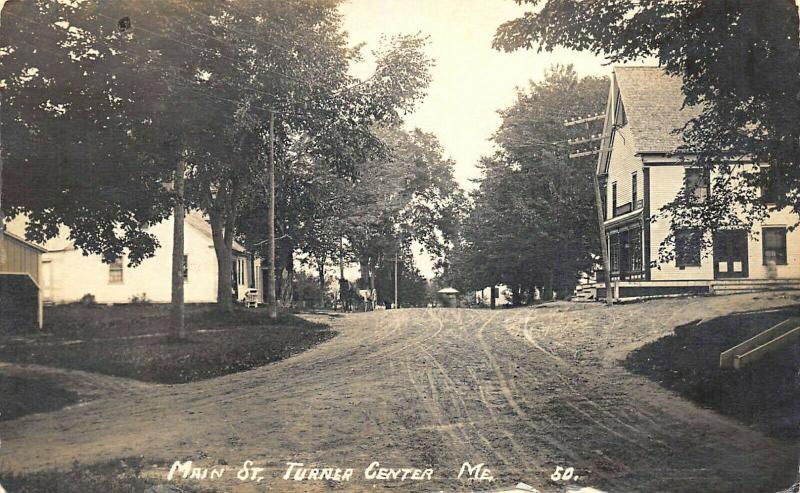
point(67, 274)
point(640, 172)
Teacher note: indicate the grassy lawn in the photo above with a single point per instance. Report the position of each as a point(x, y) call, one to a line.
point(130, 341)
point(118, 476)
point(764, 395)
point(21, 396)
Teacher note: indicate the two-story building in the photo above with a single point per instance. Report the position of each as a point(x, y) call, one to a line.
point(640, 171)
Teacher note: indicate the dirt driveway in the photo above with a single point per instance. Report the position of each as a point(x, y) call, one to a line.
point(523, 391)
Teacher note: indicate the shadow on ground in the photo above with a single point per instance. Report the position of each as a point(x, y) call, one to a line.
point(21, 396)
point(765, 395)
point(131, 341)
point(127, 475)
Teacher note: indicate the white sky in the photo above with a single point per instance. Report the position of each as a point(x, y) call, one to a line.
point(471, 81)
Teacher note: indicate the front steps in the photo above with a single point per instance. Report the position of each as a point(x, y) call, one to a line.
point(642, 290)
point(737, 286)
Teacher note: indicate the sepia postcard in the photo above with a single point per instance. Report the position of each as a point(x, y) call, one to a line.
point(531, 246)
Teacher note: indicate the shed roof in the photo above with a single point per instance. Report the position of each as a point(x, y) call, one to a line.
point(25, 242)
point(653, 103)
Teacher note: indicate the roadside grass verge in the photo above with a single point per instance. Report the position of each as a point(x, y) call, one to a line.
point(131, 341)
point(763, 395)
point(117, 476)
point(34, 394)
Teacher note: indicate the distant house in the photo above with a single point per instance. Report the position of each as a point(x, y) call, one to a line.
point(20, 278)
point(67, 274)
point(484, 296)
point(640, 172)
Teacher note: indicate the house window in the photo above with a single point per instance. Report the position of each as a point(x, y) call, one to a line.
point(697, 184)
point(115, 271)
point(240, 271)
point(613, 251)
point(185, 268)
point(774, 245)
point(769, 193)
point(635, 250)
point(688, 244)
point(614, 199)
point(634, 191)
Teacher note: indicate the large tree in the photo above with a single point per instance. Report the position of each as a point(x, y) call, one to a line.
point(408, 197)
point(119, 91)
point(533, 221)
point(76, 153)
point(405, 194)
point(740, 63)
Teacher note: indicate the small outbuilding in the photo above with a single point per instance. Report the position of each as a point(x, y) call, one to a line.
point(448, 297)
point(20, 294)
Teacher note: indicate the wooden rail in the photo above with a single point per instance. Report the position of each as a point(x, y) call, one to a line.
point(761, 342)
point(769, 347)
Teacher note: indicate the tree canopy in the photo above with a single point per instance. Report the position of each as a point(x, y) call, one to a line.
point(532, 218)
point(739, 61)
point(104, 97)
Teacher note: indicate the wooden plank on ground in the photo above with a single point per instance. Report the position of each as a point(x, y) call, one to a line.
point(727, 357)
point(772, 346)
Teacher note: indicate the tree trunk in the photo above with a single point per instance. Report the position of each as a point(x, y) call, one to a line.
point(285, 267)
point(224, 266)
point(547, 289)
point(321, 270)
point(177, 326)
point(372, 296)
point(492, 297)
point(532, 295)
point(271, 299)
point(363, 264)
point(516, 296)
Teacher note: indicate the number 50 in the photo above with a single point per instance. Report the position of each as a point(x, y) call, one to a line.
point(562, 474)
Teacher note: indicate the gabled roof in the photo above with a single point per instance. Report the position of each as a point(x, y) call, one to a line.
point(653, 104)
point(16, 229)
point(198, 221)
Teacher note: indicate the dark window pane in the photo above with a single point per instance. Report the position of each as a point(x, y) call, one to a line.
point(614, 199)
point(774, 245)
point(614, 252)
point(696, 182)
point(635, 240)
point(688, 243)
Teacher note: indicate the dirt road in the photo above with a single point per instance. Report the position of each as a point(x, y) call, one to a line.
point(523, 391)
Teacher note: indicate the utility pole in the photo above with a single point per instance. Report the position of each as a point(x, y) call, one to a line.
point(177, 325)
point(2, 216)
point(396, 305)
point(597, 195)
point(603, 243)
point(341, 257)
point(272, 302)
